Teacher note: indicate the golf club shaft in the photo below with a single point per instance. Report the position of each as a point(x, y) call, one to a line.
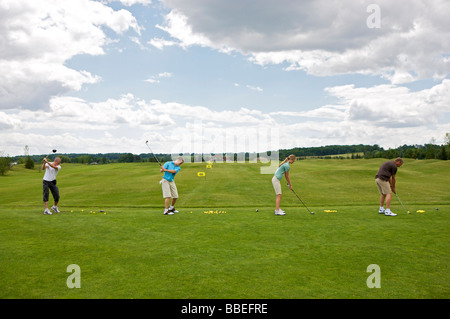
point(48, 156)
point(146, 143)
point(302, 202)
point(401, 203)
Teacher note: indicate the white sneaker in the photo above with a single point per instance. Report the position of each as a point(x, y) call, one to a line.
point(168, 213)
point(389, 213)
point(280, 212)
point(173, 210)
point(381, 211)
point(55, 209)
point(47, 212)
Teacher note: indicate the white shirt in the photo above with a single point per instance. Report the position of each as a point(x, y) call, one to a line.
point(50, 172)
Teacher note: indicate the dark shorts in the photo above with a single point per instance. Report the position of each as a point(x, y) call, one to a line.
point(46, 186)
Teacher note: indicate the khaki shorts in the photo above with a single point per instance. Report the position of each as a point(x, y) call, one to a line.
point(276, 185)
point(383, 186)
point(169, 189)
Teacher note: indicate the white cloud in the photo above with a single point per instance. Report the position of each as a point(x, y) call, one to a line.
point(129, 3)
point(254, 88)
point(383, 106)
point(160, 43)
point(127, 110)
point(322, 37)
point(38, 37)
point(155, 78)
point(387, 115)
point(165, 75)
point(175, 24)
point(152, 80)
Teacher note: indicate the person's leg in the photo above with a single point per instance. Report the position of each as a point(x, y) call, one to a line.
point(388, 205)
point(278, 202)
point(45, 194)
point(386, 197)
point(383, 189)
point(388, 201)
point(174, 194)
point(382, 199)
point(277, 187)
point(166, 196)
point(167, 203)
point(55, 193)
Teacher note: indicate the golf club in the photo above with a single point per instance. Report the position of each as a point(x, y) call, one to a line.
point(53, 151)
point(146, 143)
point(312, 213)
point(401, 203)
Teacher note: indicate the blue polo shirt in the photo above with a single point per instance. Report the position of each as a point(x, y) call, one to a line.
point(281, 170)
point(171, 166)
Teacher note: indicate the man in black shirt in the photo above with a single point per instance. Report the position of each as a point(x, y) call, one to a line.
point(385, 180)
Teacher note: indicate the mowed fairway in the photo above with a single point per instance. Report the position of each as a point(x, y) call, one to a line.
point(131, 250)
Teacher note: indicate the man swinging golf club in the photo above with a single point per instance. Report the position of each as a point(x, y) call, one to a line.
point(282, 169)
point(49, 183)
point(385, 180)
point(169, 187)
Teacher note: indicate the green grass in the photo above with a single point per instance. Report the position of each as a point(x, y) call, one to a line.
point(134, 251)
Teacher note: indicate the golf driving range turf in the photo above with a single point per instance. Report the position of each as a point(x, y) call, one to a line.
point(111, 225)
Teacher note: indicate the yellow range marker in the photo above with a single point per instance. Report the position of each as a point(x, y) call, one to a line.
point(420, 211)
point(330, 211)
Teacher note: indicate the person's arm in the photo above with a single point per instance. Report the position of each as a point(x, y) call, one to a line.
point(163, 169)
point(43, 164)
point(392, 182)
point(288, 179)
point(50, 164)
point(171, 171)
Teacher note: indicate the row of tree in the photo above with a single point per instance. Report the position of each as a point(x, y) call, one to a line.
point(427, 151)
point(92, 158)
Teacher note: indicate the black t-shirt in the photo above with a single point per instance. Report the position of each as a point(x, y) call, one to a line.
point(387, 169)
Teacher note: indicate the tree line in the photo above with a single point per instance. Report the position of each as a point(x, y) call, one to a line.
point(426, 151)
point(101, 158)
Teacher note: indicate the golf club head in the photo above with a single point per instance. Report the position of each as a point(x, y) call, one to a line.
point(54, 151)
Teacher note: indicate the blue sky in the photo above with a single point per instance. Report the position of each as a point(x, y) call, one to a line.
point(105, 76)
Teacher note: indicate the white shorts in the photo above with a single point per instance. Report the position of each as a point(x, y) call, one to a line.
point(276, 185)
point(169, 189)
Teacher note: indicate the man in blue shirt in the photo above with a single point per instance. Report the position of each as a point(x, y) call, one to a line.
point(169, 188)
